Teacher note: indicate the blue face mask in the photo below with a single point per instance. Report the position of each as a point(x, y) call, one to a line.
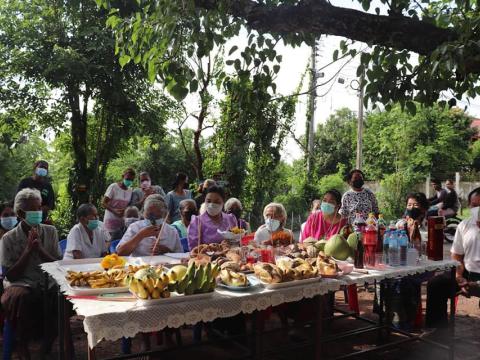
point(9, 222)
point(92, 224)
point(33, 218)
point(41, 172)
point(327, 208)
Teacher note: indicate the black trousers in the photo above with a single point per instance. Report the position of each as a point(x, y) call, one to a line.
point(438, 293)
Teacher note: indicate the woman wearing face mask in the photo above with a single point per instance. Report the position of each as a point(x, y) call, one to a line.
point(359, 199)
point(141, 236)
point(23, 249)
point(416, 209)
point(115, 201)
point(8, 219)
point(88, 238)
point(234, 206)
point(40, 181)
point(146, 188)
point(188, 208)
point(273, 231)
point(203, 228)
point(327, 222)
point(180, 192)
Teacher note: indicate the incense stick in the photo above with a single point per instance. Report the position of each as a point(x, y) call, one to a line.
point(159, 234)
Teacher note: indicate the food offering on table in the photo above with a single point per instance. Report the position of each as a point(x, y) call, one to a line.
point(339, 247)
point(296, 269)
point(326, 266)
point(211, 250)
point(237, 231)
point(233, 278)
point(234, 233)
point(268, 273)
point(112, 261)
point(97, 279)
point(196, 279)
point(149, 283)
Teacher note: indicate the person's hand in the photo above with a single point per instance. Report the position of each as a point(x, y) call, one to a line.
point(32, 240)
point(148, 191)
point(149, 231)
point(159, 249)
point(119, 212)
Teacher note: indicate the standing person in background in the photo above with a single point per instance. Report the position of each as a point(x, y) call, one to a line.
point(41, 182)
point(200, 199)
point(116, 199)
point(452, 204)
point(234, 206)
point(358, 199)
point(146, 188)
point(180, 192)
point(8, 219)
point(188, 208)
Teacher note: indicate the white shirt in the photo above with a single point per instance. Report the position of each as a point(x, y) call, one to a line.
point(78, 239)
point(467, 242)
point(119, 199)
point(169, 238)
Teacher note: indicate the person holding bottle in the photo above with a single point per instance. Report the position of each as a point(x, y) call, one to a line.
point(40, 181)
point(203, 229)
point(327, 222)
point(115, 201)
point(273, 232)
point(358, 200)
point(87, 239)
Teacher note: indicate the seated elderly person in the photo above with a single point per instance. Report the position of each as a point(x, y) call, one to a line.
point(188, 208)
point(273, 231)
point(141, 236)
point(23, 249)
point(234, 206)
point(88, 238)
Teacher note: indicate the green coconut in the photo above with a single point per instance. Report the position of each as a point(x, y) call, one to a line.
point(320, 245)
point(353, 240)
point(338, 248)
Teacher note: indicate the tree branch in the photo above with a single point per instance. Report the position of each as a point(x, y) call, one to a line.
point(319, 17)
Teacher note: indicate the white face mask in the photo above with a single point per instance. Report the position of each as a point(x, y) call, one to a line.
point(146, 184)
point(272, 224)
point(214, 209)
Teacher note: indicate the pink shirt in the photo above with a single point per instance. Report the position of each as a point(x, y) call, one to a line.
point(318, 228)
point(202, 226)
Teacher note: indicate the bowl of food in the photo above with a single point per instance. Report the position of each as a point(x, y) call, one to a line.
point(232, 235)
point(345, 267)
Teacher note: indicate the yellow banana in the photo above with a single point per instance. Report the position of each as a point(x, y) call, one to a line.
point(156, 294)
point(142, 292)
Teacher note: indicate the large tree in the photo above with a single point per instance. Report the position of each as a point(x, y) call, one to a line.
point(444, 35)
point(58, 66)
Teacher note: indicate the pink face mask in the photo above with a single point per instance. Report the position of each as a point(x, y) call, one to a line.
point(146, 184)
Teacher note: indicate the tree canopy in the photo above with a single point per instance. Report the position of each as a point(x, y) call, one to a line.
point(441, 34)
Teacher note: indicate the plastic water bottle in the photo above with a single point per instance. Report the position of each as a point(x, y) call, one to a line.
point(403, 245)
point(393, 250)
point(386, 237)
point(412, 256)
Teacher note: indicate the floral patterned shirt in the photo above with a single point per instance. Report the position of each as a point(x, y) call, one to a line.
point(363, 202)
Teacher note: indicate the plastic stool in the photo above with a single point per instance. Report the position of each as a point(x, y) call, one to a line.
point(8, 337)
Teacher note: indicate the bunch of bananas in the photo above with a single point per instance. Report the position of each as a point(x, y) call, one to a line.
point(197, 279)
point(149, 283)
point(233, 278)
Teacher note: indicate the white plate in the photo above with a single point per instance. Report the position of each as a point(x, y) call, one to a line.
point(290, 283)
point(77, 290)
point(174, 297)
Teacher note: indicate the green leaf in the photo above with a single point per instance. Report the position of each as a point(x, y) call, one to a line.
point(229, 62)
point(276, 69)
point(411, 107)
point(193, 86)
point(151, 70)
point(335, 55)
point(232, 50)
point(124, 60)
point(179, 92)
point(366, 4)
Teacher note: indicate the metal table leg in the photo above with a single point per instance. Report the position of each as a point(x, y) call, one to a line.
point(451, 323)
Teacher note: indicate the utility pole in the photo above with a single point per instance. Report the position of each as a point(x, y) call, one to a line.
point(311, 119)
point(359, 160)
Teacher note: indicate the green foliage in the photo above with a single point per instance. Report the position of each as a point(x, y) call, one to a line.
point(435, 141)
point(393, 192)
point(475, 155)
point(335, 143)
point(332, 181)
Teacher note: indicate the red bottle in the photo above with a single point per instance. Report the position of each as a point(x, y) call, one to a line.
point(435, 238)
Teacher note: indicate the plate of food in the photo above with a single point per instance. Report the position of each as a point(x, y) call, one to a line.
point(233, 280)
point(285, 274)
point(233, 234)
point(96, 282)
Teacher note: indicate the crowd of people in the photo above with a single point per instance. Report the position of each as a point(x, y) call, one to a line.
point(180, 221)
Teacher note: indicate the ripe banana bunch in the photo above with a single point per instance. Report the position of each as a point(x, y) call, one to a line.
point(233, 278)
point(149, 283)
point(197, 279)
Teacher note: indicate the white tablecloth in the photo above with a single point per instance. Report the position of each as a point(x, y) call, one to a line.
point(112, 320)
